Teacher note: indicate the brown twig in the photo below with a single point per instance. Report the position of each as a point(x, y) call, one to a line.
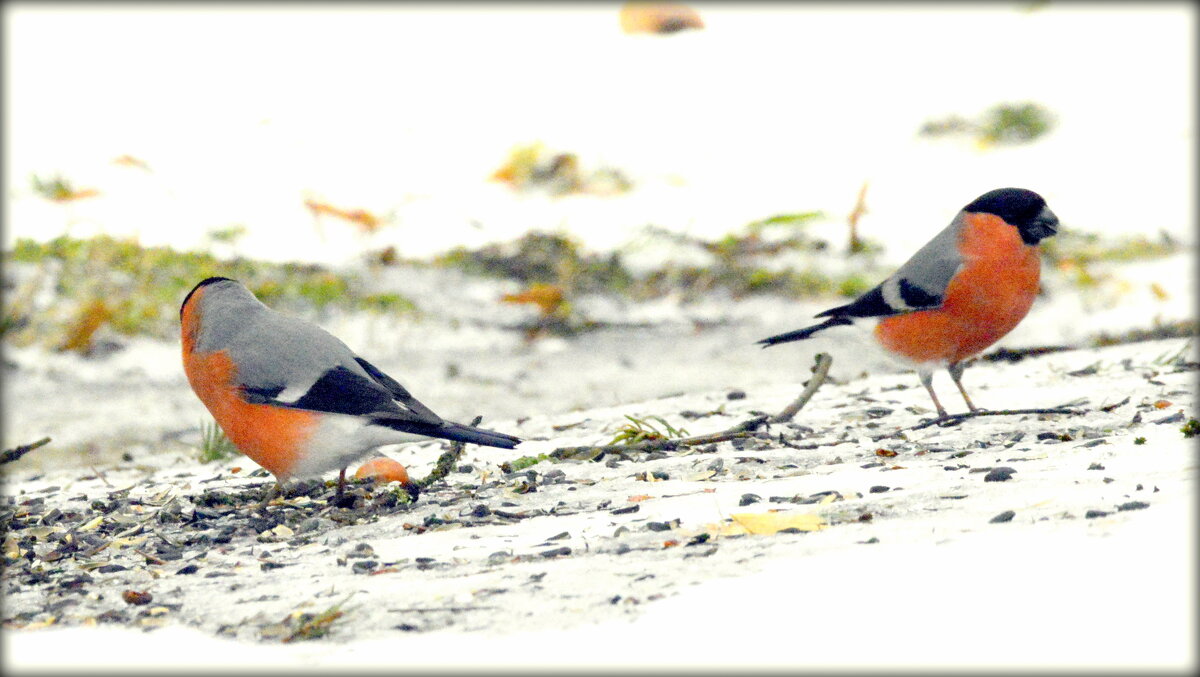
point(593, 452)
point(446, 461)
point(820, 373)
point(741, 430)
point(860, 208)
point(430, 609)
point(16, 453)
point(956, 418)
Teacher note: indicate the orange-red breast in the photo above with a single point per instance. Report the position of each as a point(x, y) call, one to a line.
point(293, 397)
point(960, 293)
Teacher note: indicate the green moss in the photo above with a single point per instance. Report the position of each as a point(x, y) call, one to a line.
point(854, 286)
point(523, 463)
point(143, 286)
point(1080, 248)
point(1139, 440)
point(1191, 428)
point(1015, 123)
point(1004, 123)
point(387, 303)
point(546, 258)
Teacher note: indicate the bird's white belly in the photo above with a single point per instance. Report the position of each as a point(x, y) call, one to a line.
point(341, 440)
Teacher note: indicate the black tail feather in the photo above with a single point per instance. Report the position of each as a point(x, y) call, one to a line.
point(453, 431)
point(801, 334)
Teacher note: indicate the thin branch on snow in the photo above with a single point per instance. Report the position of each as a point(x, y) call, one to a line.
point(820, 373)
point(16, 453)
point(446, 461)
point(957, 418)
point(593, 452)
point(741, 430)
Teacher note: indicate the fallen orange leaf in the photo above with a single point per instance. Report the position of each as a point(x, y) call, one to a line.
point(547, 297)
point(365, 220)
point(131, 161)
point(658, 17)
point(639, 498)
point(91, 317)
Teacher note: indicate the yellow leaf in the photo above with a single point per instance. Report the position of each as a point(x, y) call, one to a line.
point(92, 524)
point(37, 625)
point(725, 529)
point(127, 542)
point(769, 523)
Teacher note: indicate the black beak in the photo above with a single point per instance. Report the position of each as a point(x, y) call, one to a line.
point(1044, 225)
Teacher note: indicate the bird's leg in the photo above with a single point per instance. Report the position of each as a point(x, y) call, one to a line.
point(274, 491)
point(956, 371)
point(927, 381)
point(341, 488)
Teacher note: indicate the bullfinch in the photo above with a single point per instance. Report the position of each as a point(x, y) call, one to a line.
point(960, 293)
point(293, 397)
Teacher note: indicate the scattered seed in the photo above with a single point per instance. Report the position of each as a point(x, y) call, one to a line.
point(137, 598)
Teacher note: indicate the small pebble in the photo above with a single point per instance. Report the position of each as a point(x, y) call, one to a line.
point(879, 489)
point(1002, 474)
point(736, 395)
point(556, 552)
point(1005, 516)
point(1177, 417)
point(365, 566)
point(1133, 505)
point(747, 499)
point(1092, 514)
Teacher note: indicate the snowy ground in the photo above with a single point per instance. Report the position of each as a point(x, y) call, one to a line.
point(766, 111)
point(1093, 568)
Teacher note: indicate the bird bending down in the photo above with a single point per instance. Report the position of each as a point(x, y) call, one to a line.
point(293, 397)
point(960, 293)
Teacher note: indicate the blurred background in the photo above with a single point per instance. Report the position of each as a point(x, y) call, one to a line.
point(540, 209)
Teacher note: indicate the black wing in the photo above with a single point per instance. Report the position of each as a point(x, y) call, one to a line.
point(343, 391)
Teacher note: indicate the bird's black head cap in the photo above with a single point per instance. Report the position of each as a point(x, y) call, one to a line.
point(1024, 209)
point(202, 283)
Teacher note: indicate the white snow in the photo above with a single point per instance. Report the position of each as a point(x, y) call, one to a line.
point(243, 114)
